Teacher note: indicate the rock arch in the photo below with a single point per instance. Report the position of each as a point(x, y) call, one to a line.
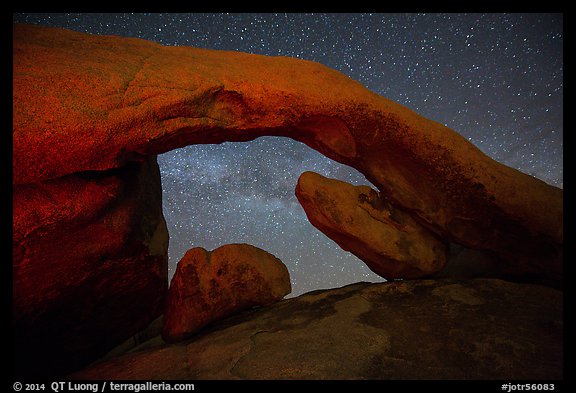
point(92, 112)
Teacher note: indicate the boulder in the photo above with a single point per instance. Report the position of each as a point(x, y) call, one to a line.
point(388, 240)
point(208, 286)
point(419, 329)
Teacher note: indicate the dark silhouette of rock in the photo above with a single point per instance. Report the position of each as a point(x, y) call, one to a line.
point(145, 337)
point(468, 263)
point(89, 109)
point(211, 285)
point(418, 329)
point(387, 239)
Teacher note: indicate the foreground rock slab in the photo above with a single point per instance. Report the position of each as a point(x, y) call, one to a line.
point(388, 240)
point(208, 286)
point(420, 329)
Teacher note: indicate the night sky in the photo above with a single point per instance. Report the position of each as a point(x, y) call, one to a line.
point(497, 79)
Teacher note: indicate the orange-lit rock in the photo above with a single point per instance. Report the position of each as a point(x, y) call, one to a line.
point(209, 286)
point(119, 99)
point(388, 240)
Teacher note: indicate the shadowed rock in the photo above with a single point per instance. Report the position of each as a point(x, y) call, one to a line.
point(418, 329)
point(90, 265)
point(209, 286)
point(388, 240)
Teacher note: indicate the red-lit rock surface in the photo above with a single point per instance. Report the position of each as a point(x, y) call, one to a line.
point(388, 240)
point(90, 265)
point(84, 104)
point(211, 285)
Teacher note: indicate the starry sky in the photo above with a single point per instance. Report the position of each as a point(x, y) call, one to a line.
point(497, 79)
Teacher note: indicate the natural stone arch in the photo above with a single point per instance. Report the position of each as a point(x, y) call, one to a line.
point(125, 98)
point(91, 113)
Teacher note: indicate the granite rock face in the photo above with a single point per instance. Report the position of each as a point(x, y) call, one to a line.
point(209, 286)
point(388, 240)
point(418, 329)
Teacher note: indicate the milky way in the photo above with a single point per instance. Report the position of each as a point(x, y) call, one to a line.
point(497, 79)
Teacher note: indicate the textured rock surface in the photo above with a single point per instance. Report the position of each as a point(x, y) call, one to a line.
point(119, 99)
point(441, 329)
point(208, 286)
point(387, 239)
point(90, 266)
